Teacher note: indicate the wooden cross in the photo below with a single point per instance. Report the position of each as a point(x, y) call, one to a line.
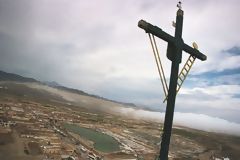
point(174, 53)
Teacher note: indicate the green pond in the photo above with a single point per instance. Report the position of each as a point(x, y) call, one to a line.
point(102, 142)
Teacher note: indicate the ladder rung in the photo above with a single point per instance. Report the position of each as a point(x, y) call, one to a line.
point(185, 69)
point(183, 76)
point(179, 84)
point(179, 81)
point(188, 63)
point(182, 73)
point(187, 66)
point(192, 60)
point(180, 78)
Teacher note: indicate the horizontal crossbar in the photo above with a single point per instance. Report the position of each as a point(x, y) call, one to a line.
point(149, 28)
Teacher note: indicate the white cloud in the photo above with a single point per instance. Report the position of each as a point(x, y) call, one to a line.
point(219, 101)
point(191, 120)
point(96, 46)
point(222, 91)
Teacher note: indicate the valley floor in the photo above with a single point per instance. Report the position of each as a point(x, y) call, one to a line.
point(36, 129)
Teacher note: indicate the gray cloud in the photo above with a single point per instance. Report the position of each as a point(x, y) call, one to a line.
point(235, 51)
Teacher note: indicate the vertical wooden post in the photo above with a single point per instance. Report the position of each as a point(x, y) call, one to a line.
point(174, 53)
point(176, 56)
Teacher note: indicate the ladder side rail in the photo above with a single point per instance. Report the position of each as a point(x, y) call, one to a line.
point(158, 55)
point(158, 67)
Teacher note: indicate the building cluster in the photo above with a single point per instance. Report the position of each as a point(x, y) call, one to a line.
point(41, 128)
point(38, 128)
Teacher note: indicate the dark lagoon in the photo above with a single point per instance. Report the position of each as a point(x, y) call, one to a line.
point(102, 142)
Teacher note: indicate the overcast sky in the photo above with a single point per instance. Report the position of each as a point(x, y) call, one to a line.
point(97, 47)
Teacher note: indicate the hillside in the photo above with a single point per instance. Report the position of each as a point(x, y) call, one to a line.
point(4, 76)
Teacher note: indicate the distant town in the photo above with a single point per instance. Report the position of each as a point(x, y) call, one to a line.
point(39, 125)
point(44, 132)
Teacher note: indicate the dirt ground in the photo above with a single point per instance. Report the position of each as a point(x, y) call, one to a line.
point(12, 148)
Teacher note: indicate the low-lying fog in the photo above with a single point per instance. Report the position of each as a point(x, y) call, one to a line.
point(191, 120)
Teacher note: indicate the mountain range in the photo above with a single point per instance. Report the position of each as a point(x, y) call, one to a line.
point(53, 91)
point(11, 77)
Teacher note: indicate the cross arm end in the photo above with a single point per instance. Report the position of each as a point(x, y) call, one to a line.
point(144, 25)
point(194, 52)
point(156, 31)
